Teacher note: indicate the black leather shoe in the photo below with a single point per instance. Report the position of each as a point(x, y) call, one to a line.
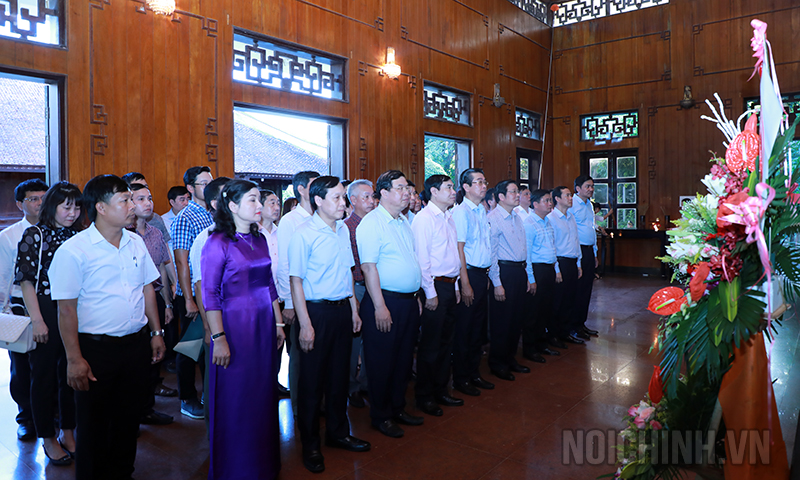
point(548, 351)
point(430, 407)
point(58, 462)
point(503, 375)
point(282, 391)
point(591, 332)
point(517, 368)
point(350, 443)
point(449, 401)
point(26, 431)
point(356, 400)
point(156, 418)
point(164, 391)
point(466, 388)
point(554, 342)
point(389, 428)
point(534, 357)
point(582, 335)
point(481, 383)
point(573, 339)
point(407, 419)
point(314, 461)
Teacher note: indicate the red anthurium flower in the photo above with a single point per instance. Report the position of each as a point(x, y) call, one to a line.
point(667, 301)
point(697, 286)
point(656, 389)
point(744, 148)
point(724, 210)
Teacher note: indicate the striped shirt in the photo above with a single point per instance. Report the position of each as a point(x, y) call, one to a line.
point(507, 240)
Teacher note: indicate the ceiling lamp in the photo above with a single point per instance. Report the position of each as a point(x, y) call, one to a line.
point(391, 69)
point(161, 7)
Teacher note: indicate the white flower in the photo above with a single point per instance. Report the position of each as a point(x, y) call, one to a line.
point(716, 186)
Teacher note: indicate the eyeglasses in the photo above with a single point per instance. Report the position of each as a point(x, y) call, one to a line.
point(201, 184)
point(403, 188)
point(480, 182)
point(36, 199)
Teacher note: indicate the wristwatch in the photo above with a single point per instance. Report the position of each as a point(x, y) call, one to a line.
point(169, 306)
point(157, 333)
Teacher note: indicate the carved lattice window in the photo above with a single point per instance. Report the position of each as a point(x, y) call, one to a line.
point(529, 124)
point(535, 8)
point(446, 105)
point(37, 21)
point(610, 126)
point(269, 63)
point(574, 11)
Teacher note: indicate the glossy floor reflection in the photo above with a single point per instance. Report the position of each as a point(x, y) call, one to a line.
point(513, 432)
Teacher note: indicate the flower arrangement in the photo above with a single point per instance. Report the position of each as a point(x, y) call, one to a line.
point(724, 250)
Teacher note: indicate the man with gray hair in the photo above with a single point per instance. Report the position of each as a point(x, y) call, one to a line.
point(360, 193)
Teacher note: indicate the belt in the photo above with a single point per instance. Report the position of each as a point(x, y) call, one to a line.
point(542, 263)
point(445, 279)
point(343, 301)
point(360, 283)
point(473, 267)
point(112, 339)
point(389, 293)
point(573, 259)
point(510, 263)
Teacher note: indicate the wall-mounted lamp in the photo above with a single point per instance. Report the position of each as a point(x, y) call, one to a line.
point(161, 7)
point(391, 69)
point(687, 101)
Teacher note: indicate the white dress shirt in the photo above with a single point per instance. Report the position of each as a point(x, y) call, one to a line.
point(272, 245)
point(584, 218)
point(565, 232)
point(107, 281)
point(286, 228)
point(389, 243)
point(436, 244)
point(9, 239)
point(195, 254)
point(323, 259)
point(522, 213)
point(508, 240)
point(474, 231)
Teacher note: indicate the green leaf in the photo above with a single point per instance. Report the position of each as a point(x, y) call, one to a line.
point(729, 298)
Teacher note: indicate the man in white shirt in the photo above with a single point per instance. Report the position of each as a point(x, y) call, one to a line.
point(436, 245)
point(178, 197)
point(587, 236)
point(102, 279)
point(320, 259)
point(391, 307)
point(524, 207)
point(28, 196)
point(301, 182)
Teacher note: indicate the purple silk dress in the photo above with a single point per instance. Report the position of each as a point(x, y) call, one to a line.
point(243, 399)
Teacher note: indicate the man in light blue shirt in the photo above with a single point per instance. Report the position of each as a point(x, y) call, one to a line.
point(587, 235)
point(568, 253)
point(543, 273)
point(391, 307)
point(320, 259)
point(475, 252)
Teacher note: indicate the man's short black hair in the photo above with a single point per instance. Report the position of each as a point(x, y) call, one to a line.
point(301, 179)
point(536, 195)
point(320, 189)
point(467, 176)
point(131, 177)
point(558, 191)
point(502, 188)
point(176, 191)
point(100, 189)
point(385, 181)
point(191, 175)
point(32, 185)
point(581, 180)
point(213, 189)
point(434, 181)
point(490, 193)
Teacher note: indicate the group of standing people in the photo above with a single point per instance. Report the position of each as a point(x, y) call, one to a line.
point(355, 297)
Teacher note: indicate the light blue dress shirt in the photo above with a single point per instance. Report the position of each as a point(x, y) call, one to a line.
point(541, 243)
point(389, 243)
point(323, 259)
point(584, 217)
point(565, 232)
point(472, 228)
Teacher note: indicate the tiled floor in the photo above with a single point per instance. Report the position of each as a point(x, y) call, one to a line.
point(513, 432)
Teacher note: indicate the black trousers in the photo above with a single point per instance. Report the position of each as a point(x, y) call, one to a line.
point(389, 355)
point(155, 369)
point(435, 348)
point(505, 320)
point(583, 296)
point(539, 316)
point(185, 365)
point(471, 320)
point(48, 362)
point(108, 413)
point(564, 298)
point(20, 384)
point(325, 370)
